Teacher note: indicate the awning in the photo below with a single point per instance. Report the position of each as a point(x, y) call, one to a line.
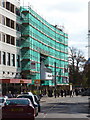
point(15, 81)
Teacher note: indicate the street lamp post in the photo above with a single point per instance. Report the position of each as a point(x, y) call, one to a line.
point(55, 79)
point(55, 63)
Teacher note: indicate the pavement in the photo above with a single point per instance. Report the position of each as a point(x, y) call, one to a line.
point(46, 98)
point(64, 107)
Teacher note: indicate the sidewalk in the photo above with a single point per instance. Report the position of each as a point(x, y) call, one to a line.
point(46, 98)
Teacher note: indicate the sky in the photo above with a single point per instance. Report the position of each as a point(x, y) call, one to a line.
point(72, 14)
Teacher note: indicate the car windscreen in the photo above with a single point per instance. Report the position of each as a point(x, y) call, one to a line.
point(17, 102)
point(29, 97)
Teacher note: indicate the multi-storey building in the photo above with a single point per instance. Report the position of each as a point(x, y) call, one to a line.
point(44, 50)
point(10, 67)
point(31, 49)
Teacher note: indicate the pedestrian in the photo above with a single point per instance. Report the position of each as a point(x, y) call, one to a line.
point(71, 93)
point(61, 92)
point(76, 92)
point(65, 93)
point(55, 93)
point(58, 93)
point(9, 94)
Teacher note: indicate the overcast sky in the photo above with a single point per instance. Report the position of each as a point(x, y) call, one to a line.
point(72, 14)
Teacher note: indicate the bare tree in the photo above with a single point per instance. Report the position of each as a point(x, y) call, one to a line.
point(76, 65)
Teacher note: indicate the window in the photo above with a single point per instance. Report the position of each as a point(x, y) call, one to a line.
point(0, 36)
point(13, 60)
point(8, 39)
point(0, 57)
point(8, 59)
point(8, 5)
point(12, 40)
point(18, 42)
point(8, 22)
point(17, 27)
point(12, 8)
point(3, 20)
point(12, 24)
point(17, 11)
point(18, 60)
point(3, 3)
point(0, 18)
point(4, 58)
point(3, 37)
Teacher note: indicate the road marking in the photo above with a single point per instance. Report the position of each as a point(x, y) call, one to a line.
point(49, 110)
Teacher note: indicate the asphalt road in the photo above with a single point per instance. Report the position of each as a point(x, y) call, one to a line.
point(74, 107)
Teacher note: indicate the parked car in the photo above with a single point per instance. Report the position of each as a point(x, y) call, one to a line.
point(2, 100)
point(37, 100)
point(86, 92)
point(18, 108)
point(32, 100)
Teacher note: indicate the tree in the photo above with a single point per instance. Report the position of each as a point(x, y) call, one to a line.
point(87, 73)
point(76, 66)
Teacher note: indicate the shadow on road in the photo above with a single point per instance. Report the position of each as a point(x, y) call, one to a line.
point(68, 108)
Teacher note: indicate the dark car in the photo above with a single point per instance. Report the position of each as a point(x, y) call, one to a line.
point(18, 108)
point(32, 100)
point(86, 92)
point(3, 100)
point(37, 100)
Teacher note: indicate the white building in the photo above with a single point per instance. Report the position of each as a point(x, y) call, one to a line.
point(9, 39)
point(89, 29)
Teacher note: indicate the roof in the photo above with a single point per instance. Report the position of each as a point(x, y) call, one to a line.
point(17, 98)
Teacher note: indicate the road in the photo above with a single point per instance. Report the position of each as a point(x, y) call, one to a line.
point(74, 107)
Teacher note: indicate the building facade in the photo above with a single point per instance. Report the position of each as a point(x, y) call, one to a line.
point(9, 35)
point(31, 49)
point(44, 50)
point(10, 66)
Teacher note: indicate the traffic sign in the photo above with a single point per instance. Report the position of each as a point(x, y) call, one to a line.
point(37, 82)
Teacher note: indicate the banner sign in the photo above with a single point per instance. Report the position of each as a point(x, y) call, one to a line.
point(48, 76)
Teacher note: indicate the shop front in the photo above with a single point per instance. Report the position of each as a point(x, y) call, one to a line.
point(16, 86)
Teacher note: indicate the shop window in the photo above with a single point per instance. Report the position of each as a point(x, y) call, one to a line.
point(12, 40)
point(8, 22)
point(8, 59)
point(13, 60)
point(4, 58)
point(3, 37)
point(12, 24)
point(8, 39)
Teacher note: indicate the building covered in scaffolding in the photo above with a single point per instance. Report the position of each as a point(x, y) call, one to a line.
point(44, 50)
